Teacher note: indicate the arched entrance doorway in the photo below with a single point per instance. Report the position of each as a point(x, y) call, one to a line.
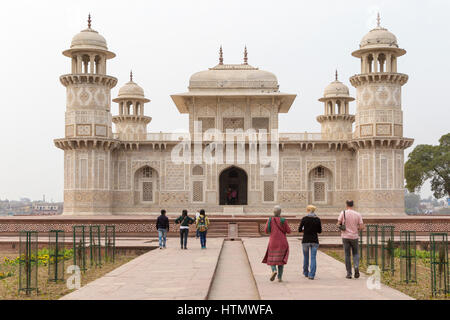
point(233, 187)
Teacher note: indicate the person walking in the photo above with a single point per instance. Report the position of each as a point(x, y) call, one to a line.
point(202, 223)
point(310, 226)
point(162, 225)
point(350, 222)
point(197, 233)
point(277, 252)
point(184, 220)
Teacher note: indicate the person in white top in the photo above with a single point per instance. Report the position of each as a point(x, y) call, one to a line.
point(197, 214)
point(350, 223)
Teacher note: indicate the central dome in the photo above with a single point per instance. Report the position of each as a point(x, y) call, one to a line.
point(233, 76)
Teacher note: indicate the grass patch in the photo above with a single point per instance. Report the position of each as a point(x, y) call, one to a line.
point(420, 290)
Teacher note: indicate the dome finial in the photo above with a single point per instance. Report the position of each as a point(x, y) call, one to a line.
point(220, 55)
point(336, 75)
point(131, 75)
point(378, 20)
point(245, 55)
point(89, 21)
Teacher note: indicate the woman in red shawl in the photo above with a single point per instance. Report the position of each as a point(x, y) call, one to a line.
point(278, 249)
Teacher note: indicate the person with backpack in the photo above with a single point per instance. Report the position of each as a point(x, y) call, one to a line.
point(184, 220)
point(202, 227)
point(162, 225)
point(278, 248)
point(350, 222)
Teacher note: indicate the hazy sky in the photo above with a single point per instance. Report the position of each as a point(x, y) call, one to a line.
point(164, 42)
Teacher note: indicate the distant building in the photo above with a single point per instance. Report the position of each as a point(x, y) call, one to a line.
point(47, 208)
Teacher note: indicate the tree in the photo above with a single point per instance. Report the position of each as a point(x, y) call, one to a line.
point(430, 162)
point(412, 202)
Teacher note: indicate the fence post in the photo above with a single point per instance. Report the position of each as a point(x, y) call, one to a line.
point(372, 244)
point(387, 248)
point(439, 264)
point(79, 247)
point(110, 243)
point(95, 246)
point(28, 261)
point(408, 256)
point(56, 245)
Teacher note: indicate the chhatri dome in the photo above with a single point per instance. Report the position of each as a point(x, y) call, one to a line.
point(379, 38)
point(234, 76)
point(131, 90)
point(89, 40)
point(336, 89)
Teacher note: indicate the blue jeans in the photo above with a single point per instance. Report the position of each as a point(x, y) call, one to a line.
point(280, 270)
point(203, 238)
point(306, 248)
point(162, 235)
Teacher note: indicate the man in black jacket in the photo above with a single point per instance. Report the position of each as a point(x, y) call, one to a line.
point(310, 226)
point(162, 225)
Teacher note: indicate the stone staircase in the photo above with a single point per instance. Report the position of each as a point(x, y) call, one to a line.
point(244, 229)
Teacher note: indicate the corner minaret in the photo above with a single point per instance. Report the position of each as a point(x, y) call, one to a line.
point(336, 121)
point(378, 136)
point(378, 86)
point(131, 124)
point(88, 135)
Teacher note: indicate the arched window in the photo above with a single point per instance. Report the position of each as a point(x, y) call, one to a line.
point(146, 185)
point(121, 108)
point(320, 183)
point(86, 61)
point(138, 108)
point(393, 63)
point(147, 172)
point(382, 62)
point(369, 62)
point(128, 108)
point(319, 172)
point(97, 65)
point(197, 171)
point(330, 107)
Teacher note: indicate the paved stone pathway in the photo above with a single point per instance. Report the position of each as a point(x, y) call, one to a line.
point(330, 282)
point(189, 275)
point(169, 274)
point(233, 279)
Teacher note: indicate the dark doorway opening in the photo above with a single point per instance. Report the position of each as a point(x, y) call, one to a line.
point(233, 187)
